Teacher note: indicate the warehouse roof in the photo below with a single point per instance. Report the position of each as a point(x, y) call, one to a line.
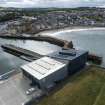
point(43, 67)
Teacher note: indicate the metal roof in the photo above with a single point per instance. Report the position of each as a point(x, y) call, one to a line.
point(43, 67)
point(67, 55)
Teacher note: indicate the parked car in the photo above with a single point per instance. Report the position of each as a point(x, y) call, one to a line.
point(30, 91)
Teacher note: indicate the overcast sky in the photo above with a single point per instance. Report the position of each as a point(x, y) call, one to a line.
point(52, 3)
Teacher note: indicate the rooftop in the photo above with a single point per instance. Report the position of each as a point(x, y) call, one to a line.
point(42, 67)
point(68, 55)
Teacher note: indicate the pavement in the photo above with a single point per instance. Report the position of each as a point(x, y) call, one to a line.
point(13, 90)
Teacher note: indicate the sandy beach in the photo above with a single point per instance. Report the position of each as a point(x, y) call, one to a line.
point(68, 29)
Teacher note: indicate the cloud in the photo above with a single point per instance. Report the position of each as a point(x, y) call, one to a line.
point(51, 3)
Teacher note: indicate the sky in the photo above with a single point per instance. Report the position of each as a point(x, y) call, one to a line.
point(52, 3)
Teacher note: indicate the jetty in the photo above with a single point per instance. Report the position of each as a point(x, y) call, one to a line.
point(95, 58)
point(22, 53)
point(49, 39)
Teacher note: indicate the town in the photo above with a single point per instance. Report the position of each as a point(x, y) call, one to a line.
point(32, 21)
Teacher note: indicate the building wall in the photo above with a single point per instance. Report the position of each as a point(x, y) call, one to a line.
point(34, 80)
point(54, 77)
point(77, 64)
point(50, 79)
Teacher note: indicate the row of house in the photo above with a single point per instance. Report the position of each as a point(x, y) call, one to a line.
point(53, 20)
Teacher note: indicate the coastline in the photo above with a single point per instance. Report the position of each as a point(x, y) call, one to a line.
point(56, 32)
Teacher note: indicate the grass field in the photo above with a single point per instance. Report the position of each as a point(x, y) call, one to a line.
point(85, 88)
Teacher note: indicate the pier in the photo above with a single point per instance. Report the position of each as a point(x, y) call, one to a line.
point(22, 53)
point(49, 39)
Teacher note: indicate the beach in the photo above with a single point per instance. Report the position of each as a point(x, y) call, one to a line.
point(68, 29)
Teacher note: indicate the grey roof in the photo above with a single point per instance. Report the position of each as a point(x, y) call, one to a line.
point(43, 67)
point(67, 54)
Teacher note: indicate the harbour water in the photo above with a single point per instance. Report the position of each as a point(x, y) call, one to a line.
point(92, 40)
point(10, 62)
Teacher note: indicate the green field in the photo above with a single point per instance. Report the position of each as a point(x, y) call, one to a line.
point(85, 88)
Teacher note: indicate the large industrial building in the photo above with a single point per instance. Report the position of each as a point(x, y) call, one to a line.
point(45, 71)
point(48, 70)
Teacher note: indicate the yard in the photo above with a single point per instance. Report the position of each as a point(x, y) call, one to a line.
point(84, 88)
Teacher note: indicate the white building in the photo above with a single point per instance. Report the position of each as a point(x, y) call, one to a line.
point(45, 72)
